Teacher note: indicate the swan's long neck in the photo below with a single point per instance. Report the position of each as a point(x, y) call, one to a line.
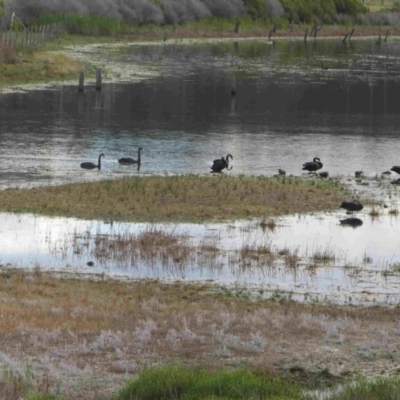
point(138, 156)
point(99, 164)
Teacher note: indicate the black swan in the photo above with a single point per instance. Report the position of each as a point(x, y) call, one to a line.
point(352, 206)
point(90, 165)
point(221, 163)
point(313, 165)
point(129, 161)
point(396, 168)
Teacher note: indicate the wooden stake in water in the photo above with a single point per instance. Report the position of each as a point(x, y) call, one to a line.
point(81, 81)
point(98, 79)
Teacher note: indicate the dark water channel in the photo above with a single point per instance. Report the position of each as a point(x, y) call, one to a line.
point(294, 101)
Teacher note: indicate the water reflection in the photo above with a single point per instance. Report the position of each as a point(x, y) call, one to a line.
point(353, 222)
point(303, 255)
point(285, 110)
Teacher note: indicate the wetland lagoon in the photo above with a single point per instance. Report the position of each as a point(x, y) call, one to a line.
point(293, 101)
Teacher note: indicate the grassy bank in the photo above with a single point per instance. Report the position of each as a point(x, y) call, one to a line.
point(40, 67)
point(178, 198)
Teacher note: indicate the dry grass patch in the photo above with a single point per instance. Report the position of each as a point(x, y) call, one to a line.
point(39, 67)
point(91, 336)
point(178, 198)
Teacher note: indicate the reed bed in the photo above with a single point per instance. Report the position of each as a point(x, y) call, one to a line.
point(177, 198)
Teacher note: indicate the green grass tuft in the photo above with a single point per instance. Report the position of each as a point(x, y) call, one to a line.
point(183, 383)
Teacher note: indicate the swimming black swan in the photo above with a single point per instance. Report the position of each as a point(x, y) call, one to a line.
point(90, 165)
point(129, 161)
point(352, 206)
point(396, 168)
point(313, 165)
point(221, 163)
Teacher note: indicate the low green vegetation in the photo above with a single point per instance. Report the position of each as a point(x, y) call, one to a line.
point(178, 198)
point(200, 384)
point(180, 382)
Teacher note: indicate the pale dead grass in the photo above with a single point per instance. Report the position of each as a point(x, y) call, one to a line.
point(178, 198)
point(59, 64)
point(91, 336)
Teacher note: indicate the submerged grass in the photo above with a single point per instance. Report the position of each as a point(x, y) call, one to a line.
point(177, 198)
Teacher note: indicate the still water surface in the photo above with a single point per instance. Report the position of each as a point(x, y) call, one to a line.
point(334, 262)
point(287, 109)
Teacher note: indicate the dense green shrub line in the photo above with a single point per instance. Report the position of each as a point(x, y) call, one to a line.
point(298, 11)
point(324, 11)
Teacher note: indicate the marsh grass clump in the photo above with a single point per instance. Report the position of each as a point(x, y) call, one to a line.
point(325, 256)
point(290, 257)
point(191, 383)
point(395, 267)
point(394, 212)
point(374, 212)
point(267, 223)
point(151, 246)
point(177, 198)
point(261, 255)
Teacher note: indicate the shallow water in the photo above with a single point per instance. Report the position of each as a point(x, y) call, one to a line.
point(335, 262)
